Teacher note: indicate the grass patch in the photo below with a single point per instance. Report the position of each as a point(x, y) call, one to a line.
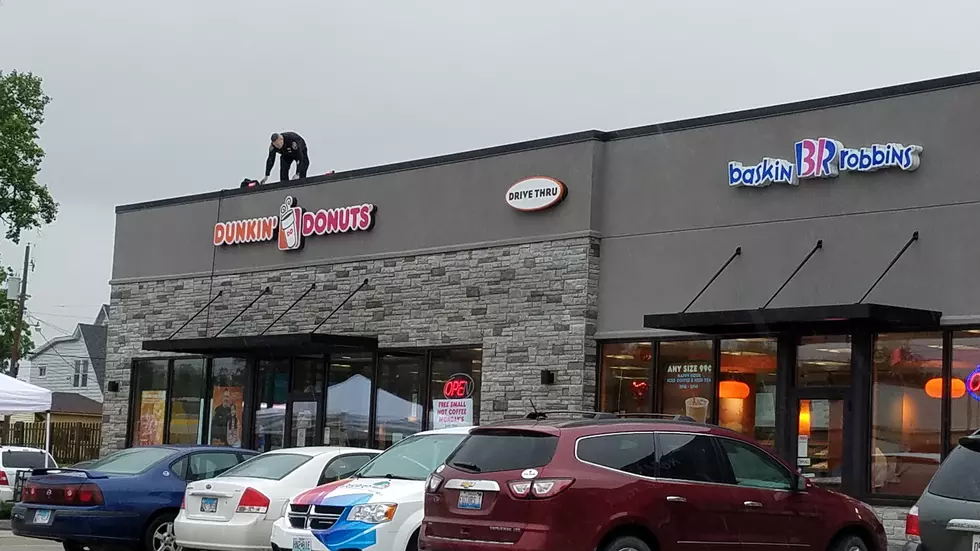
point(5, 509)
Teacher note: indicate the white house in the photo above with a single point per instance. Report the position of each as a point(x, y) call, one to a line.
point(73, 363)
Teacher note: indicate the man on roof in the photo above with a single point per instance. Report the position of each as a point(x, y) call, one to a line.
point(291, 147)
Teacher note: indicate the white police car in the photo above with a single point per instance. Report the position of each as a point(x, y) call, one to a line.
point(381, 507)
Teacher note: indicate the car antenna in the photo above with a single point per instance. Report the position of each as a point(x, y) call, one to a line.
point(534, 409)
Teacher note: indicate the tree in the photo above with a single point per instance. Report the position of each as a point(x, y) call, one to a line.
point(8, 323)
point(24, 203)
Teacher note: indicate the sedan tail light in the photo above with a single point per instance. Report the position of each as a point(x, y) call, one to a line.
point(544, 487)
point(253, 501)
point(83, 495)
point(912, 524)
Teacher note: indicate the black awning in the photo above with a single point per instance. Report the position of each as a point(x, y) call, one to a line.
point(806, 318)
point(264, 345)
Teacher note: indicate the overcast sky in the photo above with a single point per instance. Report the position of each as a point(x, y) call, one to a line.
point(157, 99)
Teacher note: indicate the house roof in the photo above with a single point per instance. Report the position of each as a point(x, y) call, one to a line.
point(69, 402)
point(95, 338)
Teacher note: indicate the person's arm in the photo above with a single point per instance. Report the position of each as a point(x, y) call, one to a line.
point(271, 160)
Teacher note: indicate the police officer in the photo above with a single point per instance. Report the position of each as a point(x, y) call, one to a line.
point(291, 147)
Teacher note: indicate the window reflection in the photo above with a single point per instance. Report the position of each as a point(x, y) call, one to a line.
point(187, 401)
point(747, 390)
point(824, 360)
point(627, 378)
point(965, 385)
point(686, 378)
point(348, 400)
point(399, 412)
point(907, 412)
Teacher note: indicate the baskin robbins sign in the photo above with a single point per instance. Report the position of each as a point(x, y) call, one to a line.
point(294, 224)
point(823, 158)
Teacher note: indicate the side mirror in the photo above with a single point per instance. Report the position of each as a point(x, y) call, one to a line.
point(801, 483)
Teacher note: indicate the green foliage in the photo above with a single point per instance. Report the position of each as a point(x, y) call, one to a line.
point(24, 203)
point(8, 322)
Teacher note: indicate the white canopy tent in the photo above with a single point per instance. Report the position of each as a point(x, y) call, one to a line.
point(16, 396)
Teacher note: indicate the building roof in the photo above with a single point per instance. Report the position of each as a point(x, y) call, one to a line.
point(70, 402)
point(898, 90)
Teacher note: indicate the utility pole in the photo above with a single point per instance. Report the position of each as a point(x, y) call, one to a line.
point(15, 353)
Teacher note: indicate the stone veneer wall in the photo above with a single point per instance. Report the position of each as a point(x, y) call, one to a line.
point(893, 518)
point(530, 306)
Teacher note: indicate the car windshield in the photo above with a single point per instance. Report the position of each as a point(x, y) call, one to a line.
point(270, 466)
point(25, 459)
point(131, 461)
point(414, 458)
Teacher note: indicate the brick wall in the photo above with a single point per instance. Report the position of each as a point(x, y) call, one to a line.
point(893, 518)
point(530, 306)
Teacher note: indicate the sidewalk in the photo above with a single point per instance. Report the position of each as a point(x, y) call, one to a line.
point(4, 525)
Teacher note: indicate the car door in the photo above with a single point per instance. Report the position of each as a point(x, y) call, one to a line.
point(768, 512)
point(342, 467)
point(696, 491)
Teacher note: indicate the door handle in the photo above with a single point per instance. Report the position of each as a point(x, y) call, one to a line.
point(752, 504)
point(676, 499)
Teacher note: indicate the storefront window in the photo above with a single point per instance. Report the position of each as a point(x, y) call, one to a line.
point(348, 400)
point(455, 387)
point(747, 390)
point(270, 415)
point(823, 360)
point(906, 412)
point(964, 386)
point(187, 401)
point(686, 378)
point(307, 388)
point(399, 412)
point(226, 401)
point(627, 378)
point(150, 402)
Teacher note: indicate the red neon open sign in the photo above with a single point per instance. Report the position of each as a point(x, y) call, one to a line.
point(458, 386)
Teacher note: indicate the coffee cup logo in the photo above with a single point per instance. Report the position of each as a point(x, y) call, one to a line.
point(289, 221)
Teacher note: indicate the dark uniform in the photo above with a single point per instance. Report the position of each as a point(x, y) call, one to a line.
point(293, 149)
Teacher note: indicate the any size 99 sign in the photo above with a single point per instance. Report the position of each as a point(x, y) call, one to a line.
point(458, 387)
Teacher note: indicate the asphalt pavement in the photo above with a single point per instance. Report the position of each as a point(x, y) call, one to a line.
point(10, 542)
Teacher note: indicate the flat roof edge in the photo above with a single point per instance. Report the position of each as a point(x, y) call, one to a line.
point(849, 98)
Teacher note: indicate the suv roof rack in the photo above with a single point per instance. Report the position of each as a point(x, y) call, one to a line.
point(666, 416)
point(584, 414)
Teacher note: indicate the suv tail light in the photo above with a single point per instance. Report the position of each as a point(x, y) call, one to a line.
point(912, 524)
point(3, 478)
point(544, 487)
point(253, 501)
point(433, 482)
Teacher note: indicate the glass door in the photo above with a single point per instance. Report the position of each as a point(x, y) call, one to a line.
point(305, 401)
point(820, 441)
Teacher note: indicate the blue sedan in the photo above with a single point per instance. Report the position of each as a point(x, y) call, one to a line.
point(128, 499)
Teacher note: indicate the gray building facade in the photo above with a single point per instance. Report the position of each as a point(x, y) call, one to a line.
point(856, 359)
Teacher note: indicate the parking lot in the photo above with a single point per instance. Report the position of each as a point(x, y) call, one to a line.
point(10, 542)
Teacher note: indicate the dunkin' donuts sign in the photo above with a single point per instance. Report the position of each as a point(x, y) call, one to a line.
point(294, 224)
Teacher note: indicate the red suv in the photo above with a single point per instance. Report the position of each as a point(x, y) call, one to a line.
point(627, 484)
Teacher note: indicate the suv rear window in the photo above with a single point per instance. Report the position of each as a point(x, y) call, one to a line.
point(504, 450)
point(959, 476)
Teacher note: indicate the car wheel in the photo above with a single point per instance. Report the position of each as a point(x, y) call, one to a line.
point(413, 542)
point(628, 543)
point(160, 534)
point(851, 543)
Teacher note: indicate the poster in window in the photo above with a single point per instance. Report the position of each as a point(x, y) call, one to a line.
point(452, 413)
point(152, 406)
point(226, 418)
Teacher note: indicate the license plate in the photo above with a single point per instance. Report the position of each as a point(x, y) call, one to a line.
point(301, 544)
point(976, 542)
point(209, 505)
point(42, 516)
point(470, 500)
